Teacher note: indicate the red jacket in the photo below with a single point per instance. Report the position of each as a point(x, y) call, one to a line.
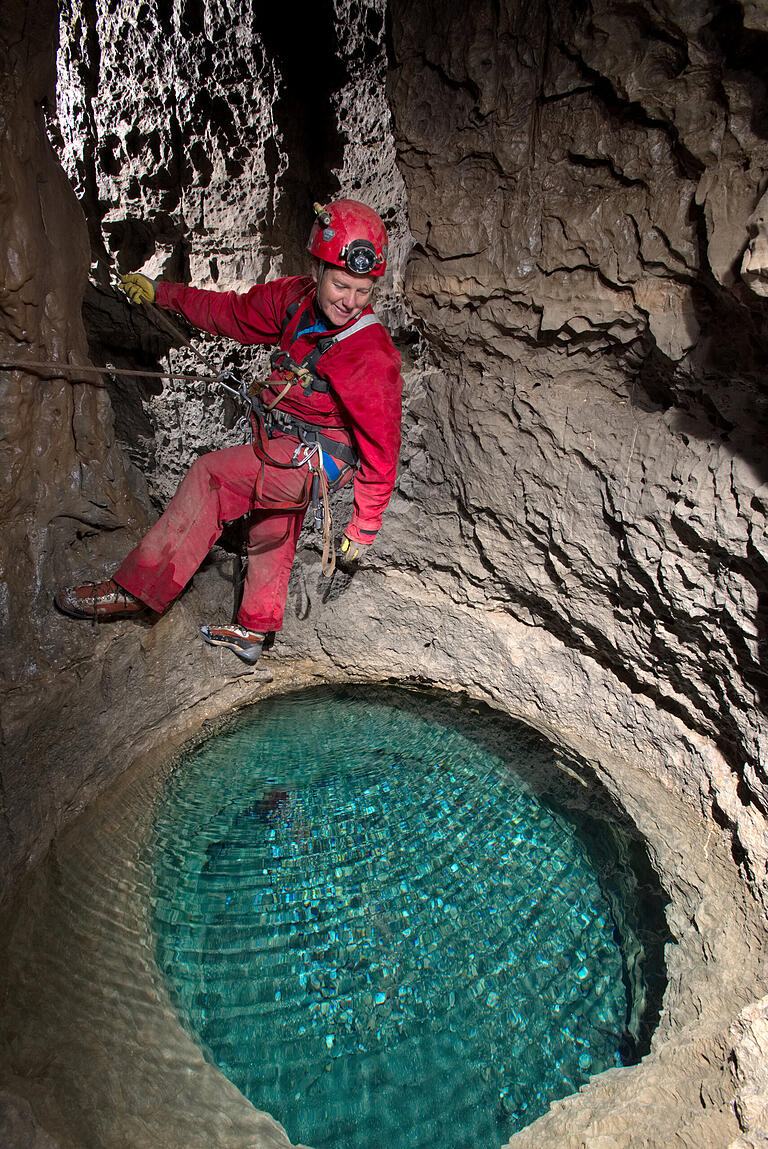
point(364, 400)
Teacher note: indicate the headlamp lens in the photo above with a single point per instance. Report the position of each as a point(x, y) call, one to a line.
point(360, 257)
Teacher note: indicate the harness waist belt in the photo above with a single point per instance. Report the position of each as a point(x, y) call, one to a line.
point(309, 433)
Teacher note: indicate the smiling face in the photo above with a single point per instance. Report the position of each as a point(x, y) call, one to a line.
point(340, 294)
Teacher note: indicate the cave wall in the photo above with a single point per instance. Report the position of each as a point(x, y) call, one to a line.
point(203, 159)
point(202, 164)
point(64, 484)
point(584, 187)
point(578, 534)
point(89, 459)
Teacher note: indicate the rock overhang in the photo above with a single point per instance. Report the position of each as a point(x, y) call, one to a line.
point(581, 508)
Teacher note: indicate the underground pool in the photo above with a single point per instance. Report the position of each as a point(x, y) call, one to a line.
point(395, 919)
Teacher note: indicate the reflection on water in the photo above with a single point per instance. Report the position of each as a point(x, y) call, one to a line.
point(353, 963)
point(380, 922)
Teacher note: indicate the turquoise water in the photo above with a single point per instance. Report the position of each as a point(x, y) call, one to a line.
point(379, 932)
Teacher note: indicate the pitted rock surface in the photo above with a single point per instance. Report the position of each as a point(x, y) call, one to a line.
point(578, 533)
point(582, 193)
point(201, 163)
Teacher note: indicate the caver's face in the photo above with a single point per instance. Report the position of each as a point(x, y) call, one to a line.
point(341, 295)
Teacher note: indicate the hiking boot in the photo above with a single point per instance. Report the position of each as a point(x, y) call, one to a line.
point(101, 601)
point(246, 644)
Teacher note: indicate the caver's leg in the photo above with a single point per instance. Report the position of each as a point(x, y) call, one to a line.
point(273, 533)
point(271, 549)
point(218, 488)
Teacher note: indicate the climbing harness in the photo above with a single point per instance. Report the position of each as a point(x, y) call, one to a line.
point(328, 461)
point(305, 372)
point(316, 450)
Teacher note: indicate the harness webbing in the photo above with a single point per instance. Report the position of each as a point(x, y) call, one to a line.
point(306, 371)
point(316, 488)
point(266, 418)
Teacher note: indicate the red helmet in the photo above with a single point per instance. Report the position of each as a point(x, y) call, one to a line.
point(348, 234)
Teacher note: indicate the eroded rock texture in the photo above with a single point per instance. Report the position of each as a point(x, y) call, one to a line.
point(202, 163)
point(62, 478)
point(584, 187)
point(578, 534)
point(64, 491)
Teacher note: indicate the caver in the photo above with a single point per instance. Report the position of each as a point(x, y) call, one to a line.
point(329, 414)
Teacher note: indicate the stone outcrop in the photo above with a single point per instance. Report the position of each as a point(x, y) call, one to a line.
point(202, 163)
point(578, 534)
point(593, 300)
point(63, 479)
point(754, 265)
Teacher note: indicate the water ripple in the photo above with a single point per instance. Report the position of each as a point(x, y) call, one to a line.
point(378, 930)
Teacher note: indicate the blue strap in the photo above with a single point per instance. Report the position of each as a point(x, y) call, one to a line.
point(331, 467)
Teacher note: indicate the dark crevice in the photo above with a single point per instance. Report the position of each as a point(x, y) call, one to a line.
point(605, 163)
point(305, 54)
point(739, 855)
point(744, 52)
point(165, 15)
point(653, 32)
point(88, 68)
point(192, 18)
point(466, 85)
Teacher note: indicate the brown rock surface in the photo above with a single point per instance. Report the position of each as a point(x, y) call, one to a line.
point(578, 534)
point(596, 419)
point(65, 496)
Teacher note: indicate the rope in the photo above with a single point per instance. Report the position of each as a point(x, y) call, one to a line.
point(53, 368)
point(328, 560)
point(156, 316)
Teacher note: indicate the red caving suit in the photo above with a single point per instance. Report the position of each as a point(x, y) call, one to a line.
point(362, 407)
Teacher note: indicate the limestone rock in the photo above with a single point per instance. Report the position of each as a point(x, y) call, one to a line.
point(64, 483)
point(579, 530)
point(202, 166)
point(749, 1061)
point(18, 1126)
point(754, 266)
point(586, 424)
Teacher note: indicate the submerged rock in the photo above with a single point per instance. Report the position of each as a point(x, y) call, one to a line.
point(579, 529)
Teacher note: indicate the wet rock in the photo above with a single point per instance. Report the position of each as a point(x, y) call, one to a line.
point(578, 534)
point(18, 1126)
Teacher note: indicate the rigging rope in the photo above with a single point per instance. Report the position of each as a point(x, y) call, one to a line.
point(54, 368)
point(155, 316)
point(325, 520)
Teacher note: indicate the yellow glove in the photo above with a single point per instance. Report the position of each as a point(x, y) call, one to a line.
point(139, 288)
point(351, 551)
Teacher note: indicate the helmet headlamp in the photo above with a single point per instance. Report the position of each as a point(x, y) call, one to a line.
point(349, 234)
point(359, 257)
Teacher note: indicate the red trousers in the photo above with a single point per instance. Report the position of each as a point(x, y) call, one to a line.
point(218, 488)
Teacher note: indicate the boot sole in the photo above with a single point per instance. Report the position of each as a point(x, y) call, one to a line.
point(97, 615)
point(250, 656)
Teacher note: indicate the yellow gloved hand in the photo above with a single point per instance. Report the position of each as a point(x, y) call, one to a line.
point(352, 552)
point(139, 288)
